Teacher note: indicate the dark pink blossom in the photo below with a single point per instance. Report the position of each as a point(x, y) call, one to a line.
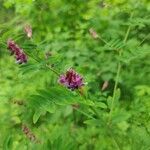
point(21, 58)
point(17, 51)
point(71, 80)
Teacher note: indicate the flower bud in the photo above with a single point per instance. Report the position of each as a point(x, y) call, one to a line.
point(93, 33)
point(28, 31)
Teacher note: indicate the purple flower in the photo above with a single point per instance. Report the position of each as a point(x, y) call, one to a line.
point(71, 80)
point(21, 58)
point(17, 51)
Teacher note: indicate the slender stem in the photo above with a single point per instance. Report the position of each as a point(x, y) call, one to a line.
point(48, 66)
point(95, 111)
point(144, 39)
point(109, 131)
point(32, 57)
point(84, 113)
point(127, 34)
point(114, 92)
point(99, 37)
point(117, 76)
point(92, 108)
point(54, 71)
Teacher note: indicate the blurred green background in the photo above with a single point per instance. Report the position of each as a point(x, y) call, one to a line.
point(61, 27)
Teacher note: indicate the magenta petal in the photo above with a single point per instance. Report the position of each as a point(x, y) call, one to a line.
point(71, 80)
point(17, 51)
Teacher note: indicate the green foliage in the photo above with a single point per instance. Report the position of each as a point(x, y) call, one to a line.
point(111, 111)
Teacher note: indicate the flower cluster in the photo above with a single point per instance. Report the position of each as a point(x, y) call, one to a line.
point(17, 51)
point(71, 80)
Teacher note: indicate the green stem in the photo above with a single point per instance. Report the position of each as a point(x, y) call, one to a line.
point(92, 108)
point(117, 76)
point(109, 132)
point(127, 34)
point(95, 111)
point(114, 92)
point(104, 41)
point(84, 113)
point(144, 39)
point(115, 141)
point(54, 71)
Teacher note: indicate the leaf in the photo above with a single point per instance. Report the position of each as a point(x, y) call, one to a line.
point(109, 101)
point(134, 53)
point(36, 116)
point(116, 99)
point(7, 142)
point(95, 122)
point(101, 105)
point(117, 96)
point(29, 67)
point(115, 44)
point(47, 100)
point(120, 117)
